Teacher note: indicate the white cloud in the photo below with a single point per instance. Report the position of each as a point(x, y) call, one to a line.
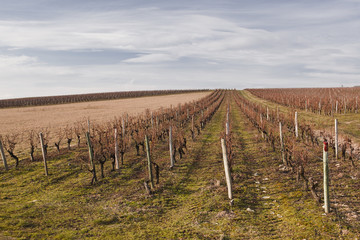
point(151, 58)
point(9, 61)
point(244, 45)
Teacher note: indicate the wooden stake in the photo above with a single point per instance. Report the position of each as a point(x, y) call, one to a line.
point(227, 124)
point(117, 165)
point(267, 113)
point(326, 177)
point(193, 127)
point(262, 130)
point(123, 127)
point(91, 156)
point(336, 106)
point(152, 120)
point(282, 145)
point(296, 125)
point(149, 162)
point(336, 139)
point(43, 153)
point(227, 171)
point(172, 160)
point(356, 106)
point(88, 122)
point(3, 156)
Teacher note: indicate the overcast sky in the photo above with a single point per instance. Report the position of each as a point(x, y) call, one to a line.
point(53, 47)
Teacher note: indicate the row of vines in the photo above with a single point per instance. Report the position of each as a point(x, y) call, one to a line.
point(113, 140)
point(63, 99)
point(326, 101)
point(298, 143)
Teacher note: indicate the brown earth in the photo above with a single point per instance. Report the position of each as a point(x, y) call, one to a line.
point(18, 120)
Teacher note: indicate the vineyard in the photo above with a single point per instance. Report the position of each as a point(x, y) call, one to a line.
point(64, 99)
point(232, 165)
point(327, 101)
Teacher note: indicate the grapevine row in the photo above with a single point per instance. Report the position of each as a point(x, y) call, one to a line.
point(296, 152)
point(64, 99)
point(326, 101)
point(130, 132)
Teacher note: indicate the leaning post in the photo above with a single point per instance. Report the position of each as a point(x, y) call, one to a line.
point(227, 171)
point(91, 156)
point(172, 160)
point(149, 162)
point(3, 156)
point(43, 153)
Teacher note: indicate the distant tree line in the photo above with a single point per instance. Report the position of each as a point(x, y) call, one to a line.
point(63, 99)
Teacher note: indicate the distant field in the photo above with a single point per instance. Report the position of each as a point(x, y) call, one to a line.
point(58, 116)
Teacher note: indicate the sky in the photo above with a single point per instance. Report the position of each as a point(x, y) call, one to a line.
point(57, 47)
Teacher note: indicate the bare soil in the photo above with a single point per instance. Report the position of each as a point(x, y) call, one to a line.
point(18, 120)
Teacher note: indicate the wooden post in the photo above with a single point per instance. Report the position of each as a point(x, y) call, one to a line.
point(227, 124)
point(306, 109)
point(117, 165)
point(326, 177)
point(152, 120)
point(277, 113)
point(3, 156)
point(91, 156)
point(356, 106)
point(261, 122)
point(336, 106)
point(88, 122)
point(188, 113)
point(227, 128)
point(43, 153)
point(336, 139)
point(149, 161)
point(227, 171)
point(296, 125)
point(123, 127)
point(267, 113)
point(227, 114)
point(193, 127)
point(282, 145)
point(172, 160)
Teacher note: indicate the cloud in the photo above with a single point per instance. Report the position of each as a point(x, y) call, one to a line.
point(130, 45)
point(151, 58)
point(10, 61)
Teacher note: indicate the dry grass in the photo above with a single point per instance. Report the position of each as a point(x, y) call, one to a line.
point(18, 120)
